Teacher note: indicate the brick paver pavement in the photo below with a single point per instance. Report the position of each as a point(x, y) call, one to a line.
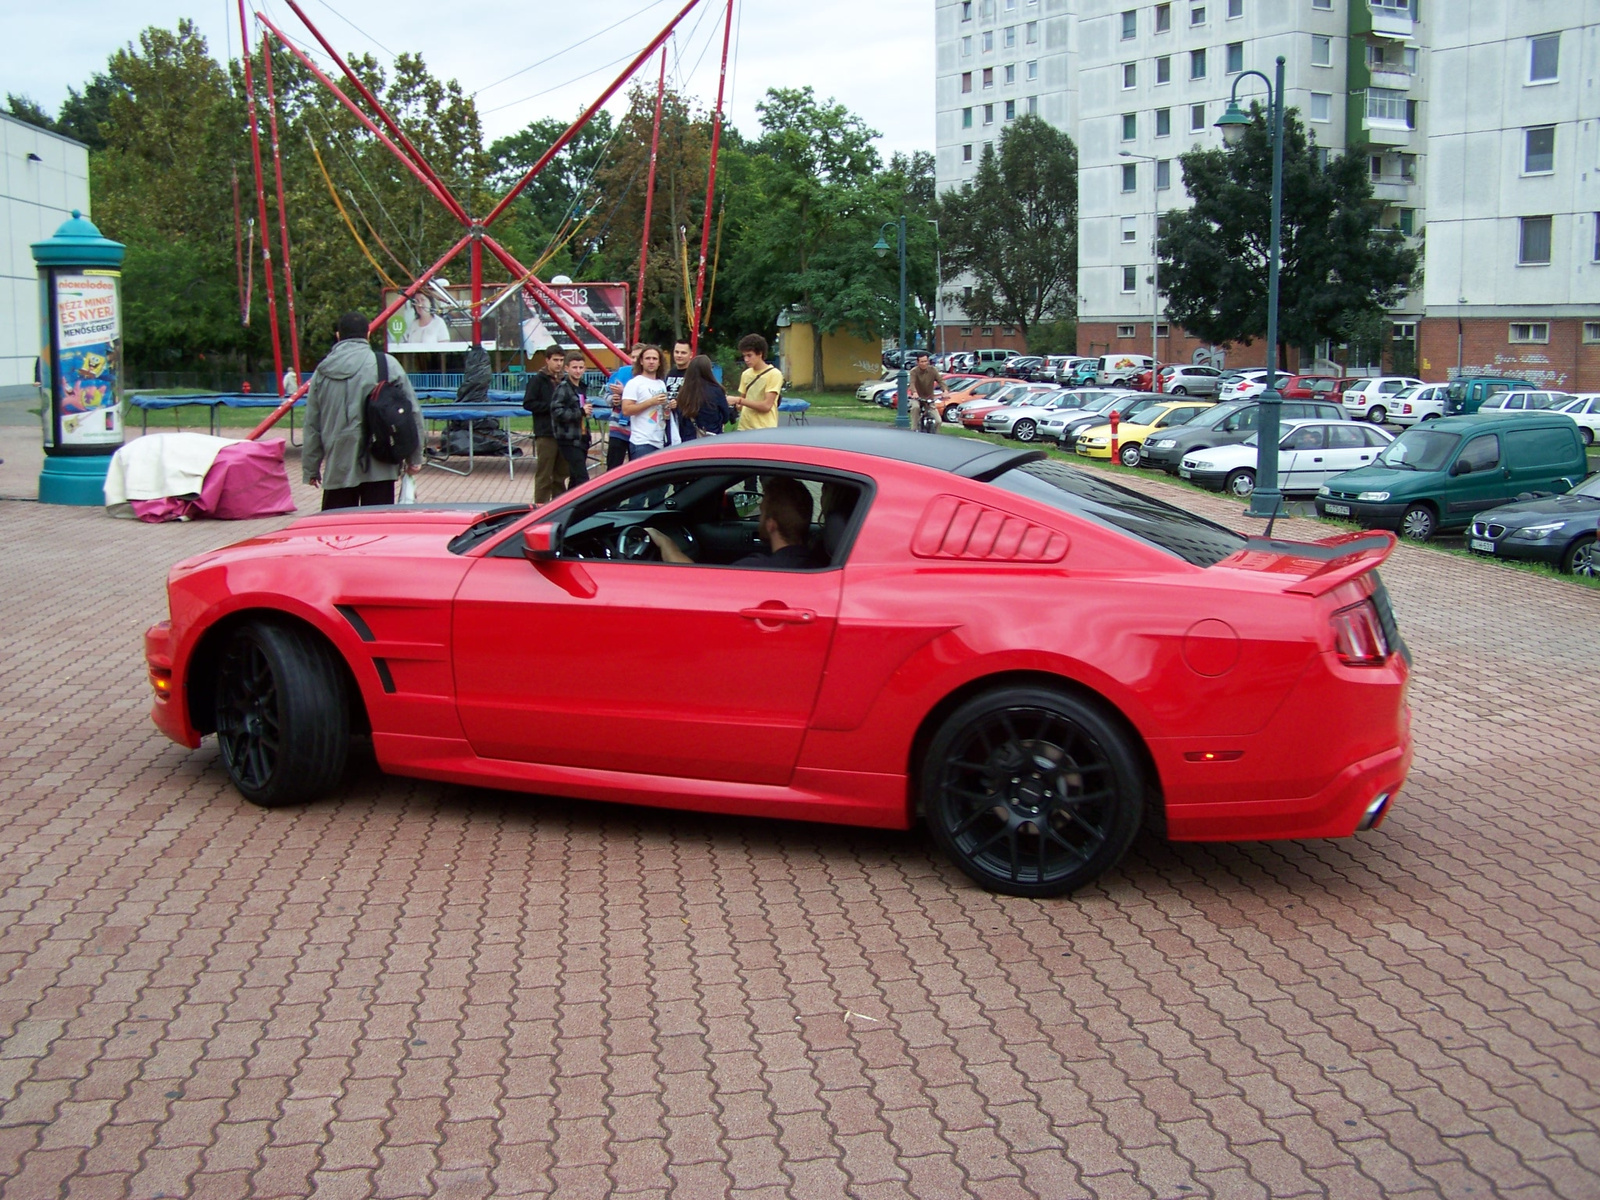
point(430, 990)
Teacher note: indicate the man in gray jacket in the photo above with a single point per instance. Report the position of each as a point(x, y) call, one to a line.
point(334, 457)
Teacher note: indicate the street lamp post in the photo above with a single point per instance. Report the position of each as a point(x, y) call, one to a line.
point(902, 410)
point(1155, 268)
point(1266, 499)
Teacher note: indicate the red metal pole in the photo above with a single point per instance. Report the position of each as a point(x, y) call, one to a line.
point(583, 119)
point(383, 114)
point(649, 200)
point(376, 324)
point(238, 252)
point(449, 203)
point(547, 297)
point(261, 202)
point(711, 182)
point(477, 284)
point(283, 212)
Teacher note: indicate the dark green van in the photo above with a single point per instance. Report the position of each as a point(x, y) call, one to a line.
point(1466, 395)
point(1435, 477)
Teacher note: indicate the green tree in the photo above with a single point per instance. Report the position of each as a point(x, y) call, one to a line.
point(84, 113)
point(558, 199)
point(25, 108)
point(1014, 229)
point(1338, 267)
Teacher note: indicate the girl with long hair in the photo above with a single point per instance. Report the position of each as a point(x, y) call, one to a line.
point(702, 404)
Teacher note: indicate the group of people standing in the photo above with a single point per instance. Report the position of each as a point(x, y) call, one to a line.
point(652, 407)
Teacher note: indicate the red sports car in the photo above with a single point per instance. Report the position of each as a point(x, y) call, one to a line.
point(853, 625)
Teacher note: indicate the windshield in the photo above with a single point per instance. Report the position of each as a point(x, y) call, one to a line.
point(1420, 450)
point(1589, 487)
point(1213, 417)
point(1086, 495)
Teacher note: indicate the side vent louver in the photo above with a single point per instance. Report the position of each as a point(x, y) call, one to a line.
point(961, 529)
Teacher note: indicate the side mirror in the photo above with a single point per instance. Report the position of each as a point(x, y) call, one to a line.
point(1461, 467)
point(541, 543)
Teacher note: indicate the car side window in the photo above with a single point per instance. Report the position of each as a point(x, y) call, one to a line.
point(1242, 422)
point(712, 515)
point(1390, 387)
point(1307, 437)
point(1373, 437)
point(1346, 437)
point(1482, 452)
point(1516, 400)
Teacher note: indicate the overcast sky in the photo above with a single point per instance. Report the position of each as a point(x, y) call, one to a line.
point(876, 56)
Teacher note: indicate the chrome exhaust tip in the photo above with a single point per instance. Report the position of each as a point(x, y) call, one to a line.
point(1374, 813)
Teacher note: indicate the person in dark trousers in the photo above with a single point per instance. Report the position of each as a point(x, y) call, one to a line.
point(569, 418)
point(620, 427)
point(334, 457)
point(702, 404)
point(549, 464)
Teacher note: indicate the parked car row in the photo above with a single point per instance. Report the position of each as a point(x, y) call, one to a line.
point(1514, 474)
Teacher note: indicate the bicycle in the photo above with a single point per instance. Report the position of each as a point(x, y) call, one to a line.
point(927, 416)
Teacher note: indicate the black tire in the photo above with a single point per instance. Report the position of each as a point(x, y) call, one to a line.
point(951, 416)
point(1582, 558)
point(1377, 413)
point(1418, 524)
point(1586, 434)
point(1180, 390)
point(1240, 484)
point(1128, 455)
point(1025, 430)
point(282, 713)
point(1032, 792)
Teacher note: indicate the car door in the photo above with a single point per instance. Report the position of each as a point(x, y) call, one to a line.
point(1300, 456)
point(645, 667)
point(1347, 449)
point(1484, 486)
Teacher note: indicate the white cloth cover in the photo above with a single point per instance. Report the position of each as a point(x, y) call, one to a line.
point(159, 465)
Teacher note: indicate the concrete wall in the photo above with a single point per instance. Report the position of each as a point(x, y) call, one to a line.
point(36, 196)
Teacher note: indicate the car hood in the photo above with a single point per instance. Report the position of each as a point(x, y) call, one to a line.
point(401, 529)
point(1234, 455)
point(1378, 479)
point(1531, 512)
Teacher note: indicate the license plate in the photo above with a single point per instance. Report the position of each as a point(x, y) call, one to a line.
point(1338, 510)
point(1185, 473)
point(1479, 544)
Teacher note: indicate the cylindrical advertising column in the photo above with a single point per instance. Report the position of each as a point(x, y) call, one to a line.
point(80, 360)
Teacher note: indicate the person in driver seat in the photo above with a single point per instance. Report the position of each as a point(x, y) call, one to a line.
point(784, 525)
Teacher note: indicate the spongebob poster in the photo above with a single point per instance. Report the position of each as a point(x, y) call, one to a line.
point(87, 370)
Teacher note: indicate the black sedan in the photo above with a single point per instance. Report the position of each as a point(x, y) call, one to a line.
point(1559, 530)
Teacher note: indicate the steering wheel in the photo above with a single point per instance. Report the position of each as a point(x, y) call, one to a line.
point(634, 543)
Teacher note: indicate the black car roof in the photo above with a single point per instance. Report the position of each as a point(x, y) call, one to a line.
point(967, 457)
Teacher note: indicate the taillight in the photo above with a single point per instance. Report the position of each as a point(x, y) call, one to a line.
point(1358, 636)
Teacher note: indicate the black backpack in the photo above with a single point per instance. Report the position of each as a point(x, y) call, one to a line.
point(389, 420)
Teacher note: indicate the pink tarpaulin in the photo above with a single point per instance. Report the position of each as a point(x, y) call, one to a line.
point(246, 480)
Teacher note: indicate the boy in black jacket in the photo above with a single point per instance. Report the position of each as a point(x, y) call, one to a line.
point(548, 464)
point(569, 423)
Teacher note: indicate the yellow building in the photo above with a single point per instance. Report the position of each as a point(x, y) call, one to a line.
point(846, 359)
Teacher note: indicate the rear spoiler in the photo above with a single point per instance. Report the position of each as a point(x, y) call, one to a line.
point(1357, 553)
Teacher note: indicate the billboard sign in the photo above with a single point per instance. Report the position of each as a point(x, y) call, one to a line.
point(431, 322)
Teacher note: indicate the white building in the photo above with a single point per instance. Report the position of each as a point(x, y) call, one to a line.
point(996, 60)
point(1153, 79)
point(1512, 281)
point(45, 176)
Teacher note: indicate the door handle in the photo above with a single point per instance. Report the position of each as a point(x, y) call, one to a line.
point(777, 614)
point(1316, 460)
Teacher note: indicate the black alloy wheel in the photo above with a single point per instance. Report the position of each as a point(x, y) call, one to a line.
point(1032, 792)
point(1582, 558)
point(282, 715)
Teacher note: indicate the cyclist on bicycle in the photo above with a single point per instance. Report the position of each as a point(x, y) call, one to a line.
point(926, 383)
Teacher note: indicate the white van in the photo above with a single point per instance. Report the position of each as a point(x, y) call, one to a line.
point(1120, 368)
